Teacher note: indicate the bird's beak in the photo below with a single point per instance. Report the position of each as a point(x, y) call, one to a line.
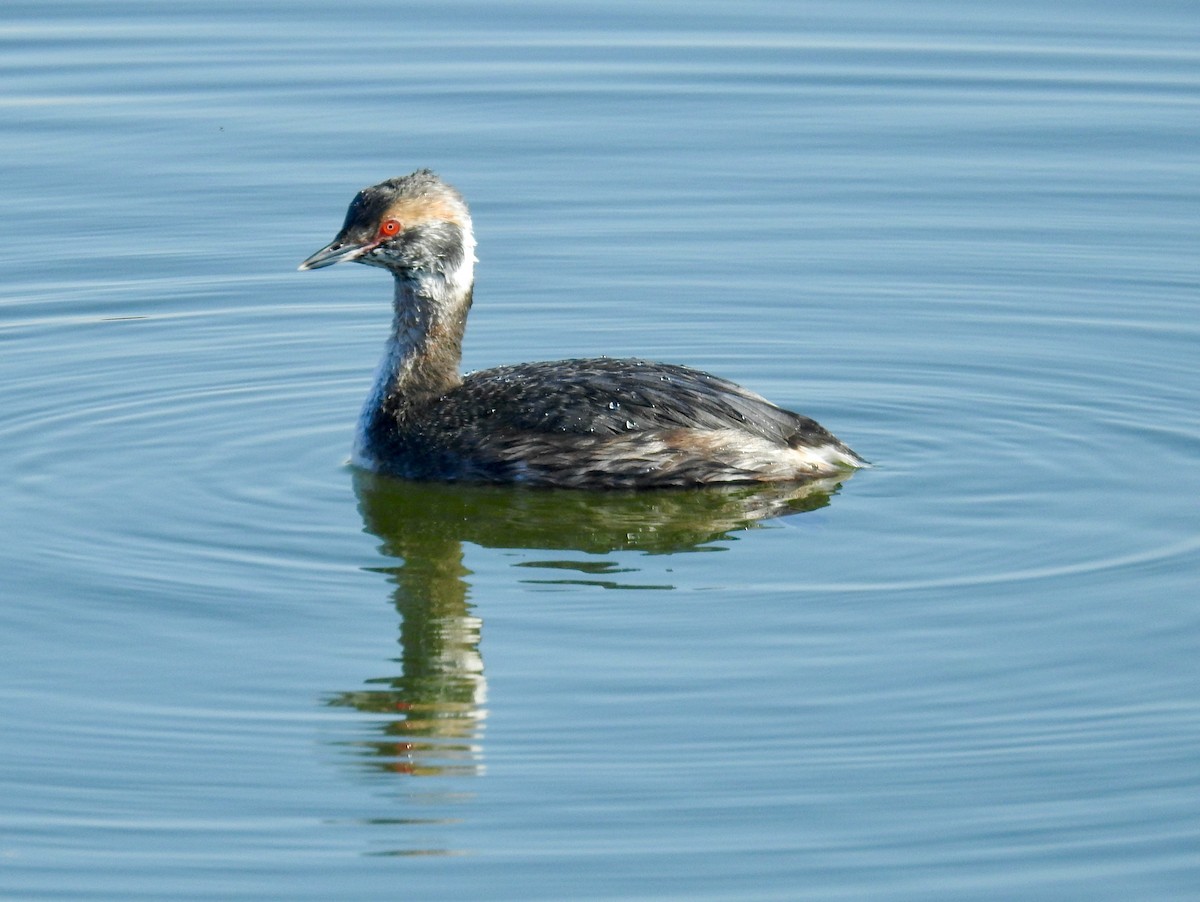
point(339, 250)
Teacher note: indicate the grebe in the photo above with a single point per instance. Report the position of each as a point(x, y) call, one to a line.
point(585, 423)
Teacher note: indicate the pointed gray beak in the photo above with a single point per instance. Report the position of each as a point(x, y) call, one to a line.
point(337, 251)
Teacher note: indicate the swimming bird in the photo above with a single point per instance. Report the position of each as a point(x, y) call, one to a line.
point(581, 423)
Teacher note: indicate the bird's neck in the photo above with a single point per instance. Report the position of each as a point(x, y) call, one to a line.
point(425, 347)
point(422, 356)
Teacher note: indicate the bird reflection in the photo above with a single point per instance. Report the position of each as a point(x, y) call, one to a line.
point(433, 709)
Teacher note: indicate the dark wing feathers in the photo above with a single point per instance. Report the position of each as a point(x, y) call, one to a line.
point(603, 395)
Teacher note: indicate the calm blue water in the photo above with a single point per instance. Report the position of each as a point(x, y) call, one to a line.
point(965, 238)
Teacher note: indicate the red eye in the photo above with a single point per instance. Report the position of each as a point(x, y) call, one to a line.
point(390, 227)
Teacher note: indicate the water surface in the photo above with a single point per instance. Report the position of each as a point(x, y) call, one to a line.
point(962, 238)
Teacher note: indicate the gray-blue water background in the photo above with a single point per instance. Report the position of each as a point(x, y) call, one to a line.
point(965, 237)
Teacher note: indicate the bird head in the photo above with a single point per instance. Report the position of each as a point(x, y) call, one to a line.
point(417, 226)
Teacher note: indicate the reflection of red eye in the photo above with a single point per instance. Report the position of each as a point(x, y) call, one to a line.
point(389, 228)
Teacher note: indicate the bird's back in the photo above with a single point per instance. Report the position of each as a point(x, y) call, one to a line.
point(603, 421)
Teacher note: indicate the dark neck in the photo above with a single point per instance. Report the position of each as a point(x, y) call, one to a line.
point(422, 355)
point(420, 362)
point(425, 348)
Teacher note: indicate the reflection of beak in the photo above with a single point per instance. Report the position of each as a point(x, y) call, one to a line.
point(337, 251)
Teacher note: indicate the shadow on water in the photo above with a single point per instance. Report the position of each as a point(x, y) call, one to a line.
point(433, 709)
